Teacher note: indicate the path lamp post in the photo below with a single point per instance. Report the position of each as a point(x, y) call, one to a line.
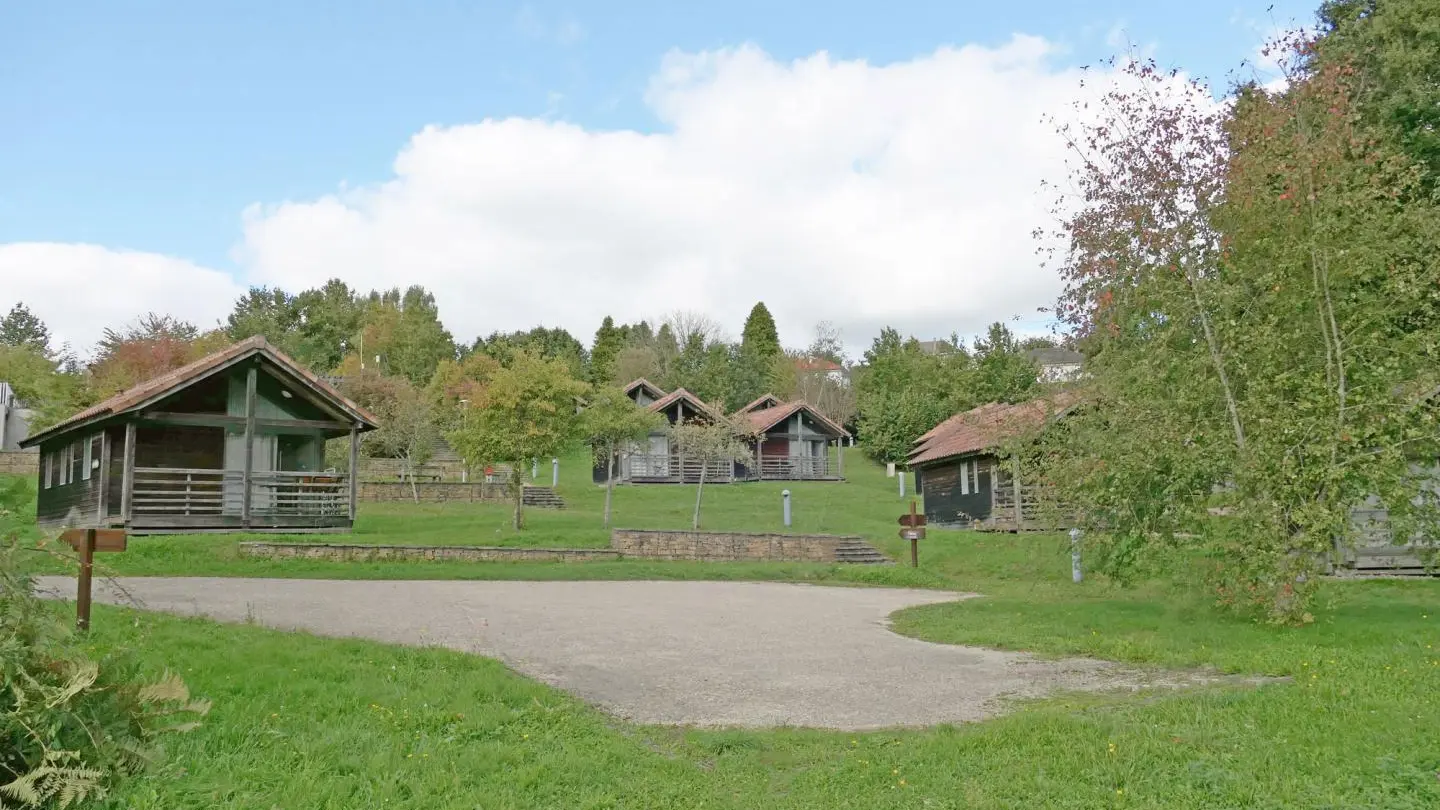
point(785, 499)
point(554, 472)
point(1075, 573)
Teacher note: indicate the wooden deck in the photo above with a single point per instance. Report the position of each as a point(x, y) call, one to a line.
point(169, 499)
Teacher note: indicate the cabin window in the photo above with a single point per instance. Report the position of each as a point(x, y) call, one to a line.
point(975, 477)
point(45, 468)
point(964, 478)
point(77, 461)
point(90, 457)
point(63, 461)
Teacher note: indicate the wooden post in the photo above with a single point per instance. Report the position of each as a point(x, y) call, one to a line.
point(1019, 513)
point(354, 467)
point(127, 480)
point(102, 503)
point(251, 378)
point(82, 596)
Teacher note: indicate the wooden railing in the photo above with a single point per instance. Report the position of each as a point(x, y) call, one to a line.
point(794, 467)
point(665, 467)
point(162, 491)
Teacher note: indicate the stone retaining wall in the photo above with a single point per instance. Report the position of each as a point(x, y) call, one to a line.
point(345, 552)
point(433, 492)
point(20, 462)
point(688, 545)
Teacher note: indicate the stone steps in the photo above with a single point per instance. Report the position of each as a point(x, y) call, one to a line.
point(860, 552)
point(541, 498)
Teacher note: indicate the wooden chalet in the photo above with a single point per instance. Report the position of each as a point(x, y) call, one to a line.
point(658, 461)
point(959, 469)
point(791, 442)
point(232, 442)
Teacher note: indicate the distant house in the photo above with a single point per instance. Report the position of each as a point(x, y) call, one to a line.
point(234, 441)
point(821, 368)
point(14, 419)
point(1056, 364)
point(959, 470)
point(936, 346)
point(790, 441)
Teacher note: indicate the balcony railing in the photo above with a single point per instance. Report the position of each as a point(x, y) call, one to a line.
point(184, 492)
point(794, 468)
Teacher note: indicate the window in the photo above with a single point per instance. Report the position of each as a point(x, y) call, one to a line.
point(46, 468)
point(964, 478)
point(89, 458)
point(77, 459)
point(975, 477)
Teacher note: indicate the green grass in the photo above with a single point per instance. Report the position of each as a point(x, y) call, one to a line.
point(307, 722)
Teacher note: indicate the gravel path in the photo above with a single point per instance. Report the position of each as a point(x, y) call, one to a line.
point(702, 653)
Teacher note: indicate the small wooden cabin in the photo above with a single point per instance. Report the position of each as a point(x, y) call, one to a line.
point(234, 441)
point(791, 442)
point(657, 461)
point(959, 469)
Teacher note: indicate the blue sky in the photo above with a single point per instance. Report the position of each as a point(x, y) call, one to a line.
point(151, 126)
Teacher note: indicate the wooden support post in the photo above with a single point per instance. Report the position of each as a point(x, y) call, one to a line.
point(251, 379)
point(1015, 485)
point(354, 468)
point(127, 480)
point(82, 595)
point(102, 503)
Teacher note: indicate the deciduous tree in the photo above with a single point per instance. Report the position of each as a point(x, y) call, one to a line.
point(711, 443)
point(612, 422)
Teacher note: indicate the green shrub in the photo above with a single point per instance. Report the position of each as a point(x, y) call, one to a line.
point(70, 726)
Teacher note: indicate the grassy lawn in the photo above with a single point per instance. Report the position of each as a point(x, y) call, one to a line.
point(306, 722)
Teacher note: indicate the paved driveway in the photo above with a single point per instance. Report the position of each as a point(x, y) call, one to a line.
point(703, 653)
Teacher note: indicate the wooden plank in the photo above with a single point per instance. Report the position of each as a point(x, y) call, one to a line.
point(127, 481)
point(251, 378)
point(354, 467)
point(226, 420)
point(105, 539)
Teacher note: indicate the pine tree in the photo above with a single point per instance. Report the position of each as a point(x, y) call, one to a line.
point(608, 343)
point(22, 328)
point(759, 338)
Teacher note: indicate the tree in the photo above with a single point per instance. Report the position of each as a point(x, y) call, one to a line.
point(759, 338)
point(541, 341)
point(404, 331)
point(1003, 373)
point(526, 411)
point(827, 343)
point(609, 342)
point(41, 385)
point(456, 384)
point(638, 361)
point(711, 443)
point(406, 416)
point(686, 324)
point(1254, 284)
point(267, 311)
point(146, 349)
point(20, 327)
point(612, 421)
point(904, 392)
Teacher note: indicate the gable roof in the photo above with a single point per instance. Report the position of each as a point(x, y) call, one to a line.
point(650, 388)
point(138, 396)
point(681, 395)
point(986, 427)
point(762, 401)
point(816, 365)
point(766, 418)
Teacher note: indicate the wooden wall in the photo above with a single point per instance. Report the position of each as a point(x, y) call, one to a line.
point(947, 503)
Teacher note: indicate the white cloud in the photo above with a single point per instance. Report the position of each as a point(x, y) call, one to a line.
point(78, 290)
point(837, 190)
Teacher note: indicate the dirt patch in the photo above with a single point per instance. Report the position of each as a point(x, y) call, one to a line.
point(691, 653)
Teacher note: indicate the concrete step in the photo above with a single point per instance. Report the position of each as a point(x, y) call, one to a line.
point(860, 553)
point(541, 498)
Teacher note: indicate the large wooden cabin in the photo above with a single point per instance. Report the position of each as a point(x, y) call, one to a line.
point(232, 442)
point(791, 442)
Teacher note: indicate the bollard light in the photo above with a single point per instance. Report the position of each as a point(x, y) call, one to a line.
point(1075, 573)
point(785, 499)
point(554, 472)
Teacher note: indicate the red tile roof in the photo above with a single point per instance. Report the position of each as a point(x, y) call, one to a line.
point(175, 378)
point(818, 364)
point(766, 418)
point(987, 426)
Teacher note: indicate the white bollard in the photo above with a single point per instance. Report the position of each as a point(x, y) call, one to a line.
point(554, 472)
point(901, 474)
point(785, 497)
point(1075, 573)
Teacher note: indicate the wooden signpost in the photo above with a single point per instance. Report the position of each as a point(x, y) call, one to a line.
point(914, 531)
point(87, 542)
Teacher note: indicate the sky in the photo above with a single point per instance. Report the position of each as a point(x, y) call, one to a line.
point(862, 163)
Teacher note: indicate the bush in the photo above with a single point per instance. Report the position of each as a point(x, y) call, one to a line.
point(70, 726)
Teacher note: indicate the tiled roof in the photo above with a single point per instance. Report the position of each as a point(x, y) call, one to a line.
point(766, 418)
point(681, 394)
point(175, 378)
point(986, 427)
point(764, 400)
point(817, 364)
point(654, 389)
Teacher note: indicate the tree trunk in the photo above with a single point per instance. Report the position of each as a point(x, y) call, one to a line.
point(410, 473)
point(699, 490)
point(609, 482)
point(517, 492)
